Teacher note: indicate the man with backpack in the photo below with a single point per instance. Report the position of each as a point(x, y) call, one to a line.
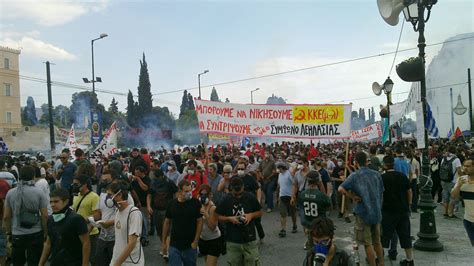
point(450, 166)
point(25, 217)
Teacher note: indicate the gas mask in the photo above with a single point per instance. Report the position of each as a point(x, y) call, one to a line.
point(321, 250)
point(110, 201)
point(204, 199)
point(190, 172)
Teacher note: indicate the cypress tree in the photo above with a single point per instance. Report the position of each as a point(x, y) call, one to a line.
point(144, 89)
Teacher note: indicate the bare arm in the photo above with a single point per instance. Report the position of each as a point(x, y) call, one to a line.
point(46, 251)
point(86, 248)
point(7, 220)
point(409, 196)
point(211, 219)
point(457, 189)
point(141, 183)
point(44, 222)
point(132, 242)
point(198, 233)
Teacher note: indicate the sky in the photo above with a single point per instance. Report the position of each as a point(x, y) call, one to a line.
point(234, 40)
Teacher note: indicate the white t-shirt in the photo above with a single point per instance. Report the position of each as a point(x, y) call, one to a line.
point(134, 222)
point(108, 234)
point(44, 186)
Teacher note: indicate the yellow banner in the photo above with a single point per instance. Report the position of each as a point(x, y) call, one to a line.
point(218, 136)
point(317, 114)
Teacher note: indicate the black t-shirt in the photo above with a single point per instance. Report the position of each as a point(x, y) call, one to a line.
point(396, 185)
point(66, 246)
point(162, 191)
point(231, 206)
point(183, 216)
point(324, 177)
point(336, 173)
point(250, 184)
point(140, 192)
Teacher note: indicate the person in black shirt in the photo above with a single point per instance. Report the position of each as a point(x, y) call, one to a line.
point(160, 195)
point(183, 214)
point(68, 235)
point(397, 198)
point(239, 209)
point(140, 186)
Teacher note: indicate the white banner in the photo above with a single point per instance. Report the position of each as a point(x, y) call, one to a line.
point(107, 147)
point(371, 132)
point(71, 143)
point(306, 121)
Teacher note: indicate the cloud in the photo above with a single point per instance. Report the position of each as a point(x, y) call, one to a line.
point(402, 45)
point(34, 47)
point(50, 12)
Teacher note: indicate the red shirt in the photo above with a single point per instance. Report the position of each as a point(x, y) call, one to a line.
point(196, 181)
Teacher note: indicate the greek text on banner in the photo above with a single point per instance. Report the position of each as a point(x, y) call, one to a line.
point(310, 121)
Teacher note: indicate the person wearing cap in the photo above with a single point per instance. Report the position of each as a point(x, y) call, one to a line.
point(239, 210)
point(313, 202)
point(85, 204)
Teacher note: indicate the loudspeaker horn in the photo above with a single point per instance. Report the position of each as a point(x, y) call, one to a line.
point(390, 10)
point(376, 88)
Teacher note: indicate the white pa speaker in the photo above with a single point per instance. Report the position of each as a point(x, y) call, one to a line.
point(376, 88)
point(390, 10)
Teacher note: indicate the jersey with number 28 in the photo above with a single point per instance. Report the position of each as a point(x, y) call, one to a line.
point(314, 204)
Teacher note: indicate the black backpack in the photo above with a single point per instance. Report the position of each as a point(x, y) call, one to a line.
point(446, 170)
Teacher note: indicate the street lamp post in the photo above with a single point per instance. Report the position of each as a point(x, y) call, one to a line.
point(199, 81)
point(387, 89)
point(251, 95)
point(94, 80)
point(427, 237)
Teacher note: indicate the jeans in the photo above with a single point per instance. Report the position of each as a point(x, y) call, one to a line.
point(103, 252)
point(182, 257)
point(269, 191)
point(27, 249)
point(470, 230)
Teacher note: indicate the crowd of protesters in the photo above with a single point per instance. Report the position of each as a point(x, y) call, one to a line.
point(209, 200)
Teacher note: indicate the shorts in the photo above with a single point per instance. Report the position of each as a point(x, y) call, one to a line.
point(211, 247)
point(396, 222)
point(366, 234)
point(243, 254)
point(447, 187)
point(285, 207)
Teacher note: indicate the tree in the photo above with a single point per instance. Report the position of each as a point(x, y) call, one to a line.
point(275, 100)
point(190, 102)
point(184, 104)
point(214, 96)
point(131, 112)
point(114, 106)
point(144, 89)
point(82, 103)
point(29, 113)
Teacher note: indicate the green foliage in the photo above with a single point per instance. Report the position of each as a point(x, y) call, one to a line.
point(131, 112)
point(144, 89)
point(275, 100)
point(214, 96)
point(82, 103)
point(113, 108)
point(60, 116)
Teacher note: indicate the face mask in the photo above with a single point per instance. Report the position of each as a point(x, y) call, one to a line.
point(190, 172)
point(57, 217)
point(204, 199)
point(278, 171)
point(75, 188)
point(241, 172)
point(188, 195)
point(339, 164)
point(170, 168)
point(300, 166)
point(321, 250)
point(110, 202)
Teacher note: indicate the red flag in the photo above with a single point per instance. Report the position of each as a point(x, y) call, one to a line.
point(212, 149)
point(313, 152)
point(257, 147)
point(457, 133)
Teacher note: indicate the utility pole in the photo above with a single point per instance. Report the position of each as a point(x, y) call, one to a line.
point(470, 101)
point(50, 109)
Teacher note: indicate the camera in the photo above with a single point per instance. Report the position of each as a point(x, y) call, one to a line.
point(242, 219)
